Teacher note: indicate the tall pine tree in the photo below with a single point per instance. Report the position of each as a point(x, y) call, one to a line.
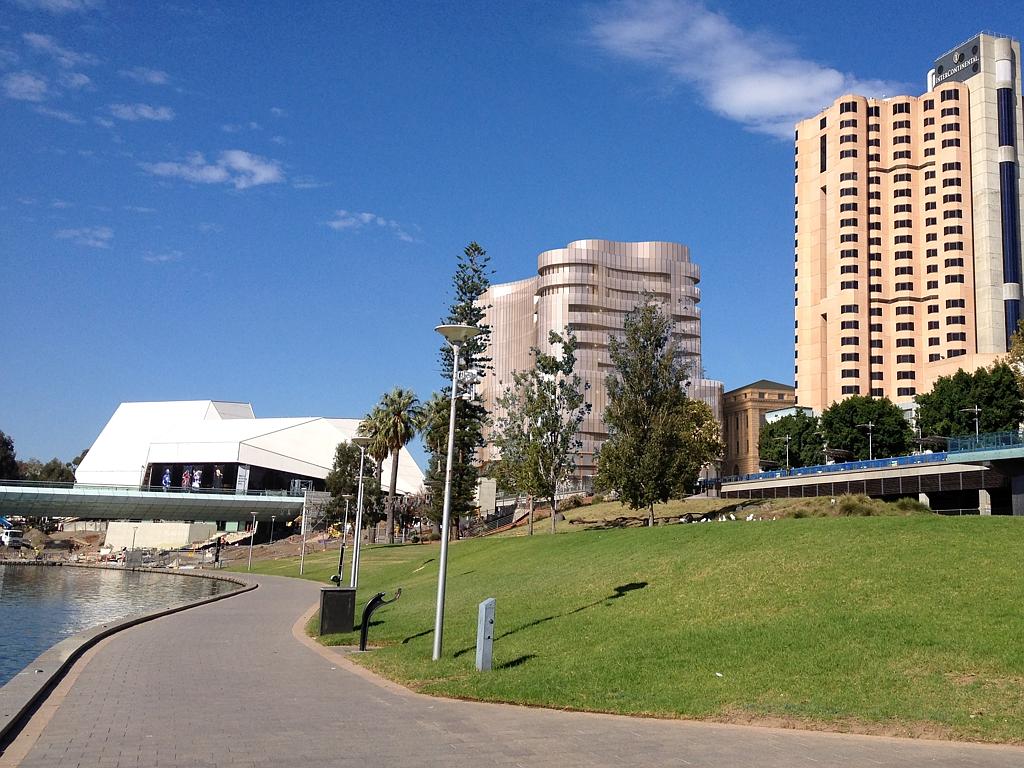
point(471, 279)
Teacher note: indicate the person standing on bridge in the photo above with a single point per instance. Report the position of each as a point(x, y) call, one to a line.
point(166, 482)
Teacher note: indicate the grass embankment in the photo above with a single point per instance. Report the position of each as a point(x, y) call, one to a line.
point(905, 625)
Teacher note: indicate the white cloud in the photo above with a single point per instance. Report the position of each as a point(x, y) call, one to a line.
point(238, 127)
point(135, 112)
point(236, 167)
point(74, 80)
point(60, 6)
point(753, 78)
point(277, 112)
point(59, 114)
point(105, 122)
point(163, 257)
point(309, 182)
point(353, 221)
point(208, 227)
point(63, 56)
point(94, 237)
point(146, 75)
point(25, 86)
point(139, 209)
point(279, 140)
point(8, 58)
point(61, 204)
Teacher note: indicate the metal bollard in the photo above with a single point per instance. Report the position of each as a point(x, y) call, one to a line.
point(485, 635)
point(375, 602)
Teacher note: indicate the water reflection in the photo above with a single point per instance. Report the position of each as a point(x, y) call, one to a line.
point(40, 606)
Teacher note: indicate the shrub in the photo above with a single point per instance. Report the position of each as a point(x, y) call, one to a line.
point(572, 502)
point(855, 505)
point(435, 537)
point(598, 498)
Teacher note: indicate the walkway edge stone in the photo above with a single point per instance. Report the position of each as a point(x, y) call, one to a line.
point(21, 697)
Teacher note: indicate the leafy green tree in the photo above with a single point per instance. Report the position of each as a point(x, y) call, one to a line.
point(996, 391)
point(805, 443)
point(53, 471)
point(470, 281)
point(343, 479)
point(1015, 356)
point(541, 414)
point(8, 459)
point(890, 433)
point(658, 439)
point(392, 424)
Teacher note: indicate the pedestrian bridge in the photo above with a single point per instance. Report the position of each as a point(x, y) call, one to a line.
point(983, 472)
point(106, 502)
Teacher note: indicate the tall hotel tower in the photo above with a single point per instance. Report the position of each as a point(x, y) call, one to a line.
point(589, 286)
point(908, 228)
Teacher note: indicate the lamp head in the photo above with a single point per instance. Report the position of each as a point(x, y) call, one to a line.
point(457, 334)
point(361, 441)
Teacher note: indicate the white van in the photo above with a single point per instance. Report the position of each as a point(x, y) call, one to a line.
point(10, 537)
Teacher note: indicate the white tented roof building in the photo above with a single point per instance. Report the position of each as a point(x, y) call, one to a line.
point(228, 446)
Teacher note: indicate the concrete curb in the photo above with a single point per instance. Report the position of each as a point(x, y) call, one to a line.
point(27, 690)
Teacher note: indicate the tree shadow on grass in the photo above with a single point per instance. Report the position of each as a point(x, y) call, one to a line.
point(620, 591)
point(517, 662)
point(418, 634)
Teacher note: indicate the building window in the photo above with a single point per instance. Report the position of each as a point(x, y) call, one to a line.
point(933, 341)
point(954, 279)
point(929, 104)
point(946, 143)
point(900, 139)
point(955, 166)
point(905, 391)
point(852, 123)
point(905, 326)
point(847, 191)
point(874, 112)
point(933, 325)
point(851, 390)
point(952, 303)
point(950, 263)
point(847, 153)
point(904, 254)
point(902, 108)
point(956, 245)
point(950, 112)
point(904, 342)
point(846, 207)
point(955, 213)
point(848, 285)
point(848, 269)
point(850, 373)
point(932, 285)
point(905, 359)
point(849, 357)
point(931, 269)
point(846, 106)
point(955, 352)
point(905, 310)
point(934, 356)
point(849, 325)
point(904, 375)
point(904, 271)
point(950, 95)
point(949, 127)
point(930, 136)
point(849, 341)
point(848, 222)
point(956, 229)
point(902, 193)
point(956, 320)
point(903, 224)
point(848, 253)
point(847, 138)
point(958, 336)
point(952, 181)
point(903, 154)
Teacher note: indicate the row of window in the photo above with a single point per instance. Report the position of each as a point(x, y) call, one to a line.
point(933, 341)
point(902, 107)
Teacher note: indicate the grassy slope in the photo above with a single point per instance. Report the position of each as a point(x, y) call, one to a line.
point(899, 624)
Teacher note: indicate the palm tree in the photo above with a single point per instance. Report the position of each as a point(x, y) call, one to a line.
point(391, 425)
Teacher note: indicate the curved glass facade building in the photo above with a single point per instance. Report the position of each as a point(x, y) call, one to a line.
point(589, 286)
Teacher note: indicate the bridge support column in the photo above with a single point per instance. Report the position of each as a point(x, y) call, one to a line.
point(923, 498)
point(985, 502)
point(1017, 494)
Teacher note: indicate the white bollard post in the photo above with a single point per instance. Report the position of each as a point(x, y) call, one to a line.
point(485, 635)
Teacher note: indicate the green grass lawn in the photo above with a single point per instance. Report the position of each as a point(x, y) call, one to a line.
point(906, 625)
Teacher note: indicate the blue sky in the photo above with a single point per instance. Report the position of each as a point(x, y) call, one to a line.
point(264, 201)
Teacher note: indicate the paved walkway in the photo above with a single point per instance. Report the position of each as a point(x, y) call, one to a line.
point(227, 684)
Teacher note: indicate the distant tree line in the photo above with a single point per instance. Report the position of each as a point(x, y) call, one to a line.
point(34, 470)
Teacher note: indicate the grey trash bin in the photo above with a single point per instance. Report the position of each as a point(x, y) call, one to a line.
point(337, 610)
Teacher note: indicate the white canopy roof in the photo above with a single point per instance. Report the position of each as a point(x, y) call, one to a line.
point(211, 432)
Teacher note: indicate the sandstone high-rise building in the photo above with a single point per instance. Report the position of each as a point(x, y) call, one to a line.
point(589, 286)
point(907, 233)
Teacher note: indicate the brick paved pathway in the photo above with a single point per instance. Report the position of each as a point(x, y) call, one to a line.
point(228, 685)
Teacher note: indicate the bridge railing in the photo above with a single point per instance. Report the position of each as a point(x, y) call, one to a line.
point(846, 466)
point(989, 441)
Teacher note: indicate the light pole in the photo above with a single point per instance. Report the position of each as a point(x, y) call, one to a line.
point(341, 549)
point(870, 427)
point(135, 530)
point(976, 411)
point(456, 335)
point(353, 582)
point(252, 536)
point(272, 518)
point(786, 438)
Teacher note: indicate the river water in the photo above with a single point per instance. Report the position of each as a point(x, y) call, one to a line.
point(41, 605)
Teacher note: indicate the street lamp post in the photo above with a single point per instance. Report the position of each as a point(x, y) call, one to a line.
point(272, 518)
point(786, 438)
point(252, 536)
point(353, 581)
point(456, 335)
point(870, 426)
point(341, 549)
point(976, 411)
